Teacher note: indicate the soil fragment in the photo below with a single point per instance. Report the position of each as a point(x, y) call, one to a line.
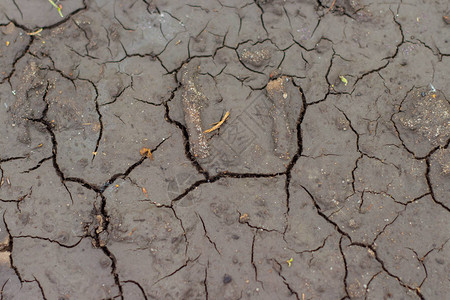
point(193, 101)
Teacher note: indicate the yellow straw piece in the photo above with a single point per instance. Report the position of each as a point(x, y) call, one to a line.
point(35, 32)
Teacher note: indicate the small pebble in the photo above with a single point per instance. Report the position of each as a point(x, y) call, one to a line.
point(226, 279)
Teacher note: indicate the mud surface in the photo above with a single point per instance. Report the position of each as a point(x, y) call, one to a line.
point(225, 149)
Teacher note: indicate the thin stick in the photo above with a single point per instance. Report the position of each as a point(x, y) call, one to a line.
point(218, 124)
point(332, 4)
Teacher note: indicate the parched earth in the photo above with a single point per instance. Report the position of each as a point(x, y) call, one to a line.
point(325, 175)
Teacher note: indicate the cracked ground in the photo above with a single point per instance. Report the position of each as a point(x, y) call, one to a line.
point(325, 175)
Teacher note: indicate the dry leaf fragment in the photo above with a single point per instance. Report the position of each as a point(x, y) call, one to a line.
point(132, 230)
point(289, 261)
point(146, 152)
point(446, 19)
point(244, 218)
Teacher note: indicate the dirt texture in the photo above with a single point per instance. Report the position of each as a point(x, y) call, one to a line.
point(277, 149)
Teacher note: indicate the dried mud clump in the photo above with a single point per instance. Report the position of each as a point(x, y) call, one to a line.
point(443, 158)
point(5, 251)
point(428, 114)
point(282, 127)
point(193, 101)
point(257, 57)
